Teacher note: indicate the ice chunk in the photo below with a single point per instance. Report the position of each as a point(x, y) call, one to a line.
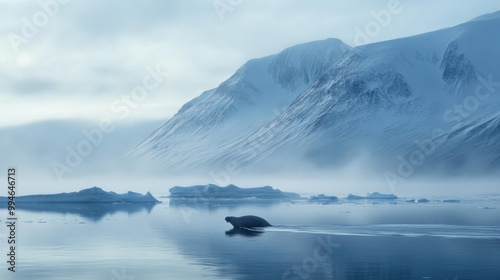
point(212, 191)
point(93, 194)
point(323, 198)
point(352, 196)
point(375, 195)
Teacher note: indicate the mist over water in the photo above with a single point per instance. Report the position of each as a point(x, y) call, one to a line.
point(105, 166)
point(306, 183)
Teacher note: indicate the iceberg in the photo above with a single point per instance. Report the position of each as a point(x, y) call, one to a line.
point(90, 195)
point(353, 197)
point(323, 198)
point(212, 191)
point(377, 195)
point(374, 195)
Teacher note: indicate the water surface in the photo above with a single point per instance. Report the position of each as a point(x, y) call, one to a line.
point(178, 240)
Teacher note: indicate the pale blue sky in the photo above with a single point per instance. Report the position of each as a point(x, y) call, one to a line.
point(75, 59)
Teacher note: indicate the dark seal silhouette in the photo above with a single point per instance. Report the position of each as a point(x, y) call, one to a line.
point(247, 221)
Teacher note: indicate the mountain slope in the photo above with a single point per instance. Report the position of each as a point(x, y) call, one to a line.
point(381, 98)
point(381, 102)
point(258, 91)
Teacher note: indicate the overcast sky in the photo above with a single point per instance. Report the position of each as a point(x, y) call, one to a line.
point(78, 59)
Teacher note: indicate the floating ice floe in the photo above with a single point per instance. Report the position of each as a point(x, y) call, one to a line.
point(93, 194)
point(212, 191)
point(323, 198)
point(374, 195)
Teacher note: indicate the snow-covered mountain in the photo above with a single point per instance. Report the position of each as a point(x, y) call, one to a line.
point(257, 92)
point(426, 102)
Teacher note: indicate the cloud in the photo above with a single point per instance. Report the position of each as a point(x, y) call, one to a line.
point(92, 52)
point(33, 85)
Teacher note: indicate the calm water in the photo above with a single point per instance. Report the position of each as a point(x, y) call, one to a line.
point(174, 240)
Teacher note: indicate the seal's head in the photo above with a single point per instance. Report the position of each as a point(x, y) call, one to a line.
point(228, 219)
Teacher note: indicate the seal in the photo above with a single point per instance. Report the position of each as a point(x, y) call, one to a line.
point(247, 221)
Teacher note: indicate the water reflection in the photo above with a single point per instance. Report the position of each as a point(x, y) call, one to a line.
point(91, 211)
point(376, 246)
point(244, 232)
point(308, 242)
point(215, 203)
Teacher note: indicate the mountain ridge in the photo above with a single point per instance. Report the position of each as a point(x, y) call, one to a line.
point(378, 98)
